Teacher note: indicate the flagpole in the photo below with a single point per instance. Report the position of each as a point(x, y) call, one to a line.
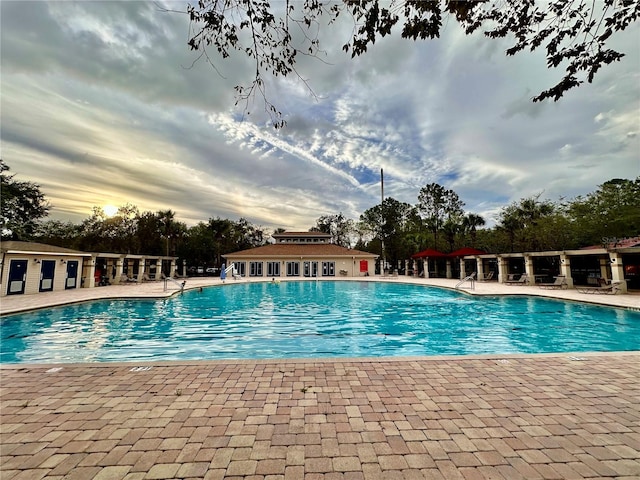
point(382, 221)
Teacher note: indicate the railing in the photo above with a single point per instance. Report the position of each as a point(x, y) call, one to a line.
point(234, 273)
point(180, 285)
point(468, 278)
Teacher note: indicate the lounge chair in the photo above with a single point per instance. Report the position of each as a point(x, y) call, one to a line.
point(523, 280)
point(559, 283)
point(485, 277)
point(603, 288)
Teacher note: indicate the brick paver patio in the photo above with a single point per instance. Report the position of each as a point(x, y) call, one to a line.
point(515, 417)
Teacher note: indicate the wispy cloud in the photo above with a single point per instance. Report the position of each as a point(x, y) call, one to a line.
point(108, 97)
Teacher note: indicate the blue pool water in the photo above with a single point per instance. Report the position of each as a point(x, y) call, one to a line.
point(310, 320)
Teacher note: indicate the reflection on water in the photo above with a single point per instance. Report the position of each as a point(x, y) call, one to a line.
point(313, 319)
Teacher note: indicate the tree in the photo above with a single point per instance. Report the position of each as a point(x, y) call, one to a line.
point(389, 222)
point(611, 212)
point(23, 204)
point(198, 248)
point(112, 234)
point(470, 224)
point(574, 34)
point(338, 226)
point(247, 235)
point(222, 230)
point(523, 218)
point(437, 205)
point(158, 233)
point(452, 227)
point(59, 233)
point(170, 229)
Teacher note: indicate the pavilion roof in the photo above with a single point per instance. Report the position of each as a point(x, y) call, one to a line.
point(429, 252)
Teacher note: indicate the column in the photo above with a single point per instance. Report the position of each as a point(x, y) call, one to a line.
point(463, 272)
point(172, 268)
point(142, 265)
point(565, 269)
point(90, 279)
point(617, 271)
point(604, 267)
point(449, 273)
point(425, 266)
point(503, 271)
point(479, 269)
point(528, 269)
point(119, 270)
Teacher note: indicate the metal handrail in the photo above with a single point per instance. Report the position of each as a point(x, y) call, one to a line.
point(169, 279)
point(468, 278)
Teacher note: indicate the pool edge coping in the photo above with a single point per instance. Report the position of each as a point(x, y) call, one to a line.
point(500, 358)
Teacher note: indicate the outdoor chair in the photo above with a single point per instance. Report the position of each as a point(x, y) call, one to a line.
point(523, 280)
point(604, 288)
point(486, 277)
point(559, 283)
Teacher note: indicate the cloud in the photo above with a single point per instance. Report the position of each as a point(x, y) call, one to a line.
point(108, 96)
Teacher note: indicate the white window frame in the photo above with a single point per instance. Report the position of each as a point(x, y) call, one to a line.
point(255, 269)
point(293, 269)
point(273, 269)
point(328, 269)
point(241, 268)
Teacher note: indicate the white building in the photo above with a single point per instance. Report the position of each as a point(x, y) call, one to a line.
point(302, 254)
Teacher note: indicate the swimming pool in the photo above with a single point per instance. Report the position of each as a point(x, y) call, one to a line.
point(312, 320)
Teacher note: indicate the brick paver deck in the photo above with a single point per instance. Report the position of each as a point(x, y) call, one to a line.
point(516, 417)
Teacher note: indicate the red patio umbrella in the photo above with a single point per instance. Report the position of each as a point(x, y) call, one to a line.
point(429, 252)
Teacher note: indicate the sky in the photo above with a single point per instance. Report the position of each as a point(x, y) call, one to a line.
point(103, 103)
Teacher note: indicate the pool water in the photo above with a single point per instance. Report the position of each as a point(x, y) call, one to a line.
point(312, 320)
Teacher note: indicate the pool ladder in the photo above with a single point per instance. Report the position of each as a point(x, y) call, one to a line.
point(180, 285)
point(468, 278)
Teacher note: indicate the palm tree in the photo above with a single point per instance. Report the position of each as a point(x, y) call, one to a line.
point(470, 223)
point(169, 228)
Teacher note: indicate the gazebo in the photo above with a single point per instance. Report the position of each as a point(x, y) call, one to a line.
point(425, 256)
point(461, 269)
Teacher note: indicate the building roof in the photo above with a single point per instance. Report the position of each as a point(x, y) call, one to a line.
point(37, 248)
point(614, 243)
point(300, 250)
point(429, 252)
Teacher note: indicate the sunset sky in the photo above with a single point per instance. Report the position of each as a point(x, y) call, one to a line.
point(102, 104)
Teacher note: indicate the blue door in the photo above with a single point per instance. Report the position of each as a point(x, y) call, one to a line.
point(72, 274)
point(47, 271)
point(17, 277)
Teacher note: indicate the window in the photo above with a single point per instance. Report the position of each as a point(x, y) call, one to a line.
point(293, 269)
point(273, 269)
point(241, 268)
point(310, 269)
point(328, 269)
point(255, 269)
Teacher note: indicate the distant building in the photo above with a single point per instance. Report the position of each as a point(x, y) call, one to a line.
point(302, 254)
point(29, 267)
